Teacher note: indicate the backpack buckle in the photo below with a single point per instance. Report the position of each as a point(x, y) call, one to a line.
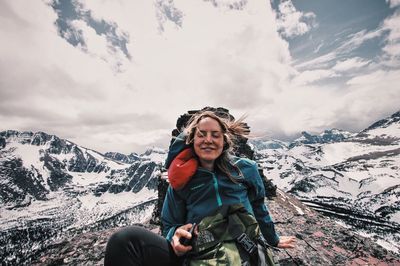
point(247, 243)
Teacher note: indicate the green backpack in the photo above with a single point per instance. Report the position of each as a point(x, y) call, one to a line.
point(230, 237)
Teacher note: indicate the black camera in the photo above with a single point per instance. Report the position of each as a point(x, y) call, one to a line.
point(185, 241)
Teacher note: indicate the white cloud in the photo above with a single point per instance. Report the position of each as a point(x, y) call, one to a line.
point(362, 101)
point(321, 61)
point(310, 76)
point(392, 49)
point(319, 47)
point(292, 22)
point(389, 30)
point(371, 96)
point(345, 50)
point(357, 39)
point(369, 79)
point(329, 59)
point(391, 24)
point(350, 64)
point(393, 3)
point(98, 45)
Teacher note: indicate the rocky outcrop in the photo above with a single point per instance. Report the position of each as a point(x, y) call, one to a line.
point(58, 176)
point(18, 184)
point(320, 240)
point(133, 178)
point(2, 142)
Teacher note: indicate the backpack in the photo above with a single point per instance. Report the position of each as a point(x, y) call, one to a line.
point(231, 236)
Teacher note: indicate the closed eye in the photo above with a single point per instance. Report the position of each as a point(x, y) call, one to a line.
point(214, 134)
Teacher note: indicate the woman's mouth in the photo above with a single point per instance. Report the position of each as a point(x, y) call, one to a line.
point(207, 149)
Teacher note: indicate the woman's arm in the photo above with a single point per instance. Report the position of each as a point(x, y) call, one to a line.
point(256, 194)
point(173, 214)
point(257, 199)
point(265, 222)
point(173, 217)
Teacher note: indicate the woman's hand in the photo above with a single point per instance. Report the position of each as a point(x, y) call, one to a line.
point(182, 231)
point(287, 242)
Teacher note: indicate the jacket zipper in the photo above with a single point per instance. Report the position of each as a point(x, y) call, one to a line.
point(219, 201)
point(218, 196)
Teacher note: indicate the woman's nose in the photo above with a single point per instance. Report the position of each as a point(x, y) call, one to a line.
point(208, 138)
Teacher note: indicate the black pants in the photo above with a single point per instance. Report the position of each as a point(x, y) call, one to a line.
point(138, 246)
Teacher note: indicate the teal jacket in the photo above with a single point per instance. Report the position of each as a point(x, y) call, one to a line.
point(207, 191)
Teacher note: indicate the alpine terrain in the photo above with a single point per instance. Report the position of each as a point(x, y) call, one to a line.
point(354, 177)
point(51, 189)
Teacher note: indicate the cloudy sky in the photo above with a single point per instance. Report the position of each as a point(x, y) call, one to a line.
point(115, 75)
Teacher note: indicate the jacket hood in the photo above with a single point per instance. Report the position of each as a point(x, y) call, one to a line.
point(178, 145)
point(182, 168)
point(181, 163)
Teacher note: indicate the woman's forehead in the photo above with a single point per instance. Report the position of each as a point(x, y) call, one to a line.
point(209, 124)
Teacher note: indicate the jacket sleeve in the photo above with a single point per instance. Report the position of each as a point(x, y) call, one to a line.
point(257, 200)
point(173, 213)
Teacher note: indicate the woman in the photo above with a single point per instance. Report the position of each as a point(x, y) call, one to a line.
point(203, 177)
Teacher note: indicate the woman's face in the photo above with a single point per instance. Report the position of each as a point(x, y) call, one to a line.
point(208, 140)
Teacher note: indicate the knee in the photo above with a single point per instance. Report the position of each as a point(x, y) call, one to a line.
point(125, 236)
point(124, 247)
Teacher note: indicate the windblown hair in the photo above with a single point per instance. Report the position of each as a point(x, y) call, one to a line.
point(231, 130)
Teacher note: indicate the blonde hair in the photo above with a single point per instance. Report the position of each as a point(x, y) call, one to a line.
point(231, 130)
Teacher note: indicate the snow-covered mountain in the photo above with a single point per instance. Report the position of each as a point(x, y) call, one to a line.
point(328, 136)
point(51, 188)
point(355, 177)
point(116, 156)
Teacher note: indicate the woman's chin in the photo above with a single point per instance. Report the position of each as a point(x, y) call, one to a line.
point(208, 158)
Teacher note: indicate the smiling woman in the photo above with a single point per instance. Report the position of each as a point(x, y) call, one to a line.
point(209, 186)
point(212, 140)
point(208, 142)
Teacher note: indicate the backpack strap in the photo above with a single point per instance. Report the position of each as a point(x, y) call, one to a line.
point(246, 243)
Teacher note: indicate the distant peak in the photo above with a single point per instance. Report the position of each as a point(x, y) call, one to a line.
point(117, 156)
point(327, 136)
point(153, 150)
point(383, 123)
point(397, 114)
